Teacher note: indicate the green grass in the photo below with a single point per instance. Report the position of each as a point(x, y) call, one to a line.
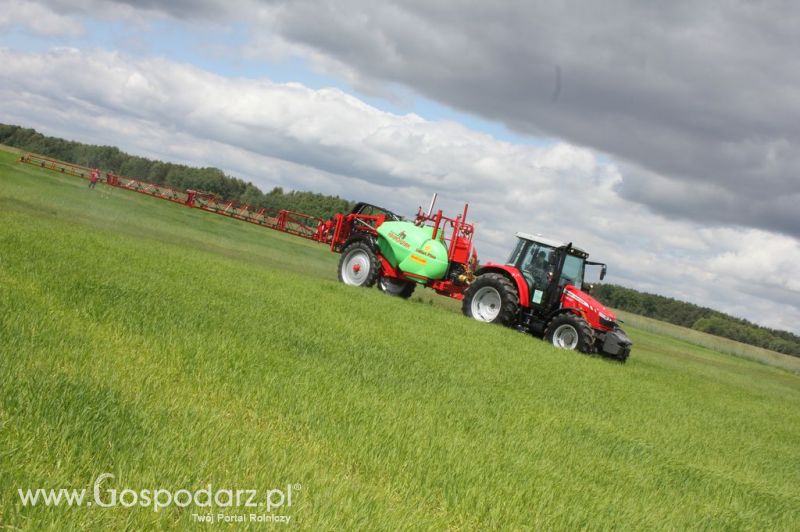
point(174, 348)
point(716, 343)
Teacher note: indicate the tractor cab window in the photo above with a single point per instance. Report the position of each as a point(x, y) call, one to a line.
point(518, 250)
point(536, 263)
point(572, 272)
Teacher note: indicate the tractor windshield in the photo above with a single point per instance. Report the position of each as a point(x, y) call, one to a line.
point(573, 271)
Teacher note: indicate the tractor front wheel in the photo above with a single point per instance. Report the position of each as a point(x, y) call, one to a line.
point(491, 298)
point(359, 266)
point(396, 287)
point(568, 331)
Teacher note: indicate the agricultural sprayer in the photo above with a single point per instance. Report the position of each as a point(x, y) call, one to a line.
point(540, 289)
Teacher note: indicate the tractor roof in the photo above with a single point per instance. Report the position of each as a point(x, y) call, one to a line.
point(549, 242)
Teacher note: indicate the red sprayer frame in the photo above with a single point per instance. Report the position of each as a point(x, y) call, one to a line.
point(457, 233)
point(295, 223)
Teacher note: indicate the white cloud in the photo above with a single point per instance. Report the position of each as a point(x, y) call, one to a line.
point(326, 140)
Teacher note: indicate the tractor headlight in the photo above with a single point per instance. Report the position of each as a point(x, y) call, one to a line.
point(606, 321)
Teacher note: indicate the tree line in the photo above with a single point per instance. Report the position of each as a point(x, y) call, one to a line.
point(697, 317)
point(179, 176)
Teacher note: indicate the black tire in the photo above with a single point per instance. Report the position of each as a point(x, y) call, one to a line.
point(568, 331)
point(496, 294)
point(359, 265)
point(396, 287)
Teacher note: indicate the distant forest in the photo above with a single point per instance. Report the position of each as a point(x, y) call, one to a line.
point(215, 181)
point(696, 317)
point(178, 176)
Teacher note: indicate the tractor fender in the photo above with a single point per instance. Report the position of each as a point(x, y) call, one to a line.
point(513, 274)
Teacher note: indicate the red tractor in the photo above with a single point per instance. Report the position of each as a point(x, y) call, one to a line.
point(540, 290)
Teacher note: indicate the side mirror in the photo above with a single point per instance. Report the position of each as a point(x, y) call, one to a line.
point(603, 272)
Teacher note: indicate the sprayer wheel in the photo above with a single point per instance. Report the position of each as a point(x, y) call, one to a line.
point(396, 287)
point(359, 266)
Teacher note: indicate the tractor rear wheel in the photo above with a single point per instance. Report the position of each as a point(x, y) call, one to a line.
point(568, 331)
point(491, 298)
point(396, 287)
point(359, 266)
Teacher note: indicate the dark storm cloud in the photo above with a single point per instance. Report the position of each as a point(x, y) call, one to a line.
point(700, 95)
point(180, 9)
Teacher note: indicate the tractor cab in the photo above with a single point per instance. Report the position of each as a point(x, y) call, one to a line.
point(548, 266)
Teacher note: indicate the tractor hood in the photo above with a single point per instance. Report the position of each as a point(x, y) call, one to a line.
point(579, 298)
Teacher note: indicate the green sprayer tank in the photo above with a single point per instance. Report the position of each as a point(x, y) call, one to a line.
point(412, 249)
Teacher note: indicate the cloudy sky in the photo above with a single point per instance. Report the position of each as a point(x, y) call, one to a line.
point(661, 136)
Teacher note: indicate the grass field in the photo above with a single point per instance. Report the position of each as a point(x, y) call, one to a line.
point(715, 343)
point(175, 349)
